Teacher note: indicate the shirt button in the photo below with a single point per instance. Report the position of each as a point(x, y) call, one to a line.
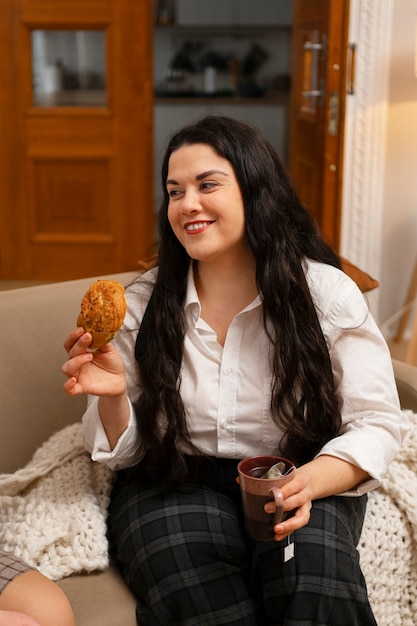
point(225, 425)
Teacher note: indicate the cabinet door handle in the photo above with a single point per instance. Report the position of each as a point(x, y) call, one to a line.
point(310, 45)
point(312, 93)
point(311, 69)
point(333, 124)
point(350, 69)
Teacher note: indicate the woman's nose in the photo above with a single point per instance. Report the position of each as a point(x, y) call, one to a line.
point(190, 202)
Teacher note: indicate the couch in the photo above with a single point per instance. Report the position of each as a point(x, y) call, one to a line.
point(33, 324)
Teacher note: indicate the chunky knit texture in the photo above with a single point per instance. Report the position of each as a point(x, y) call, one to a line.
point(53, 515)
point(388, 545)
point(53, 511)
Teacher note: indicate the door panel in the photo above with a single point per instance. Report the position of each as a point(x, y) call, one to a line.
point(77, 149)
point(320, 30)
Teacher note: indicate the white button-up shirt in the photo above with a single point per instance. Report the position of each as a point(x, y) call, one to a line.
point(227, 390)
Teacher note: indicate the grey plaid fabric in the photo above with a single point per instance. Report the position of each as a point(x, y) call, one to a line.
point(323, 585)
point(188, 561)
point(10, 567)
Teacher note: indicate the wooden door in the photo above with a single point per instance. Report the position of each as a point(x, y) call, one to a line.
point(319, 66)
point(76, 194)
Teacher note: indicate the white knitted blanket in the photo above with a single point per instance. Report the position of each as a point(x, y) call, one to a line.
point(53, 514)
point(53, 511)
point(388, 545)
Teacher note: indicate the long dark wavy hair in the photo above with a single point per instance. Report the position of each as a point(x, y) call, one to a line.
point(281, 234)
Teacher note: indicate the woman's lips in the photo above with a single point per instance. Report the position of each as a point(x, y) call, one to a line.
point(193, 228)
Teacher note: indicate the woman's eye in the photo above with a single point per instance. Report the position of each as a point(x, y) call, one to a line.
point(173, 192)
point(208, 185)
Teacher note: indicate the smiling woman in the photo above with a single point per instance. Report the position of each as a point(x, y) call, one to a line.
point(205, 207)
point(246, 339)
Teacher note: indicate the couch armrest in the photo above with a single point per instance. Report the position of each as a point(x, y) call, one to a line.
point(406, 379)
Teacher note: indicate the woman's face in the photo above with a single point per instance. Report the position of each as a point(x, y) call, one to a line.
point(205, 207)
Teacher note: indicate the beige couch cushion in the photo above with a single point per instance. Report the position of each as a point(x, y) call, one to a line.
point(100, 599)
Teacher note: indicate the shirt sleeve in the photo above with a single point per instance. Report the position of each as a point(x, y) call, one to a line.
point(374, 427)
point(129, 448)
point(124, 454)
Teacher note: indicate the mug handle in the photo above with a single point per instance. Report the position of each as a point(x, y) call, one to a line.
point(279, 503)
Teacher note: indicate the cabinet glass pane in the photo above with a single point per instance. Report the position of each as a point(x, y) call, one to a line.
point(68, 68)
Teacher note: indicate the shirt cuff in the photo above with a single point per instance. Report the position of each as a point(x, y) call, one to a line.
point(125, 452)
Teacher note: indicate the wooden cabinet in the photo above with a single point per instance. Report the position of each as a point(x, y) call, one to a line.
point(76, 137)
point(317, 109)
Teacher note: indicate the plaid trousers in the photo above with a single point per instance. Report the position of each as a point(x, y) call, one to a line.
point(11, 567)
point(186, 557)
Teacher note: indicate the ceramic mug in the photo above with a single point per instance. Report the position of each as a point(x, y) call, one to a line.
point(257, 491)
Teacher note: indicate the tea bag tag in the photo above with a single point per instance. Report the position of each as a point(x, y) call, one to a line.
point(289, 551)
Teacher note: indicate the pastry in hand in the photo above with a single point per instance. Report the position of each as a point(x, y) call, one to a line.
point(103, 309)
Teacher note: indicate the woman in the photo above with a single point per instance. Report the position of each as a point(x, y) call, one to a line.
point(27, 598)
point(254, 342)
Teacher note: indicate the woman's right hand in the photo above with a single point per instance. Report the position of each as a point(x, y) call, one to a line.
point(100, 372)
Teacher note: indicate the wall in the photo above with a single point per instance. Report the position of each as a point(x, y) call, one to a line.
point(399, 225)
point(379, 216)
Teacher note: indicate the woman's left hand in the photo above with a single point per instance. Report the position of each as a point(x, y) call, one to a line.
point(297, 496)
point(322, 477)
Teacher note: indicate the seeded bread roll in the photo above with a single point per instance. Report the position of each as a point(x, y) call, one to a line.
point(103, 310)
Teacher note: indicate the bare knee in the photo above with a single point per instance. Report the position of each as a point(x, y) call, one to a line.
point(37, 597)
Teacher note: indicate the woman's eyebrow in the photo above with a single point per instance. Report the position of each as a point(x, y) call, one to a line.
point(171, 181)
point(210, 173)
